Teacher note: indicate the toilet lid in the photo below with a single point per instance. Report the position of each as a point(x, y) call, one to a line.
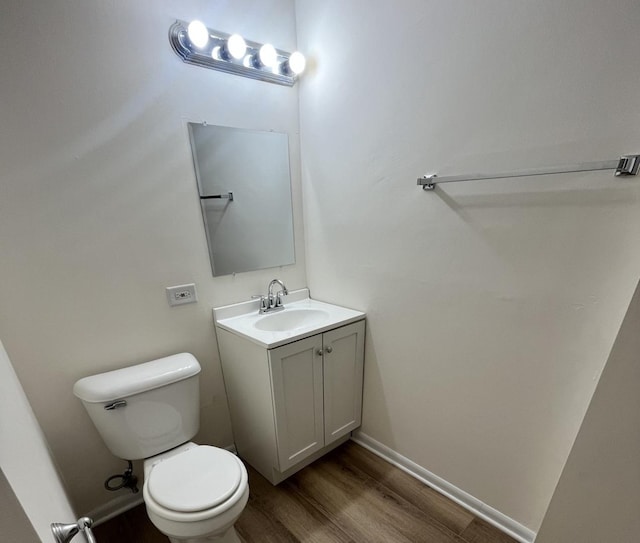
point(196, 479)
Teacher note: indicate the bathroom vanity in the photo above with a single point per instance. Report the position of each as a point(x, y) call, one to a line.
point(293, 380)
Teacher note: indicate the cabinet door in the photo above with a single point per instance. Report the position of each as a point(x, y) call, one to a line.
point(343, 372)
point(296, 383)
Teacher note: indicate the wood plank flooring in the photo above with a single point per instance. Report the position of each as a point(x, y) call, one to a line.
point(348, 496)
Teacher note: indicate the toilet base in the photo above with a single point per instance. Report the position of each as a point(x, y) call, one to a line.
point(230, 536)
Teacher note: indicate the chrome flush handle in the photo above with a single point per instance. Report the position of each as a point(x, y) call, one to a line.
point(114, 405)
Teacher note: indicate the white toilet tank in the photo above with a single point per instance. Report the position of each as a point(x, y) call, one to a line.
point(143, 410)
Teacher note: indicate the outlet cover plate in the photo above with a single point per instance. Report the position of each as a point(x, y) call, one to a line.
point(182, 294)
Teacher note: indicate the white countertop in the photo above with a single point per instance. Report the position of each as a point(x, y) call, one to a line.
point(241, 319)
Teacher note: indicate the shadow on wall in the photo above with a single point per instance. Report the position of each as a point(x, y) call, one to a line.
point(544, 198)
point(374, 385)
point(14, 521)
point(598, 494)
point(37, 491)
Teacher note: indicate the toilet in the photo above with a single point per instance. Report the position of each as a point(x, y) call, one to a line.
point(193, 493)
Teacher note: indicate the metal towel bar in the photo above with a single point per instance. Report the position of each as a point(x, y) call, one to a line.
point(624, 166)
point(227, 196)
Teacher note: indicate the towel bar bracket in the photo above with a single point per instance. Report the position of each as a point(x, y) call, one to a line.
point(427, 185)
point(628, 165)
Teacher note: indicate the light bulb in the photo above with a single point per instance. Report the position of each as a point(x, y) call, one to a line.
point(236, 46)
point(268, 55)
point(297, 63)
point(198, 34)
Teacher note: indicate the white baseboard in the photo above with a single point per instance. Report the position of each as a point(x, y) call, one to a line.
point(114, 507)
point(494, 517)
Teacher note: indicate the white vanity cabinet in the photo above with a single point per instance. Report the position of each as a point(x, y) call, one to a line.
point(293, 403)
point(317, 391)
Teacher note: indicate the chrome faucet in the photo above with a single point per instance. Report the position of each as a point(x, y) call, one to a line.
point(282, 292)
point(272, 302)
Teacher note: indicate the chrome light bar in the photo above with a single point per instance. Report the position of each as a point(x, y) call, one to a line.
point(209, 56)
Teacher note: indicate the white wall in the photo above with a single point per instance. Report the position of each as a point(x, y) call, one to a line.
point(492, 306)
point(99, 208)
point(598, 493)
point(16, 526)
point(27, 465)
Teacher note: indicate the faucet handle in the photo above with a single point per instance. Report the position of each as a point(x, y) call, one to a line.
point(279, 296)
point(264, 302)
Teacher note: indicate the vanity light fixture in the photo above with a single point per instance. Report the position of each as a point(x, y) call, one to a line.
point(208, 48)
point(267, 56)
point(234, 48)
point(295, 64)
point(198, 34)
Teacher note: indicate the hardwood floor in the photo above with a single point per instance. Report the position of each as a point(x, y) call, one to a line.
point(348, 496)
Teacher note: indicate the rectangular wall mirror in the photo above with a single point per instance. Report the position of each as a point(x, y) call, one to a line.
point(245, 195)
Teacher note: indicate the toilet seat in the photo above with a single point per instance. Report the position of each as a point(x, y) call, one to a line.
point(197, 479)
point(237, 500)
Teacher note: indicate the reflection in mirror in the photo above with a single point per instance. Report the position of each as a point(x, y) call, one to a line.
point(245, 195)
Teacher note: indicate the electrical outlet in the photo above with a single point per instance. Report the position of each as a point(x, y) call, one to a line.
point(182, 294)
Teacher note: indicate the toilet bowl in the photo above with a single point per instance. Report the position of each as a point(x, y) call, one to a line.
point(193, 493)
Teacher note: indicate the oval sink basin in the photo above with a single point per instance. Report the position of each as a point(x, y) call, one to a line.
point(291, 319)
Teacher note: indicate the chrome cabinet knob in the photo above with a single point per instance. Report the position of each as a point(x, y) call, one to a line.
point(329, 350)
point(319, 352)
